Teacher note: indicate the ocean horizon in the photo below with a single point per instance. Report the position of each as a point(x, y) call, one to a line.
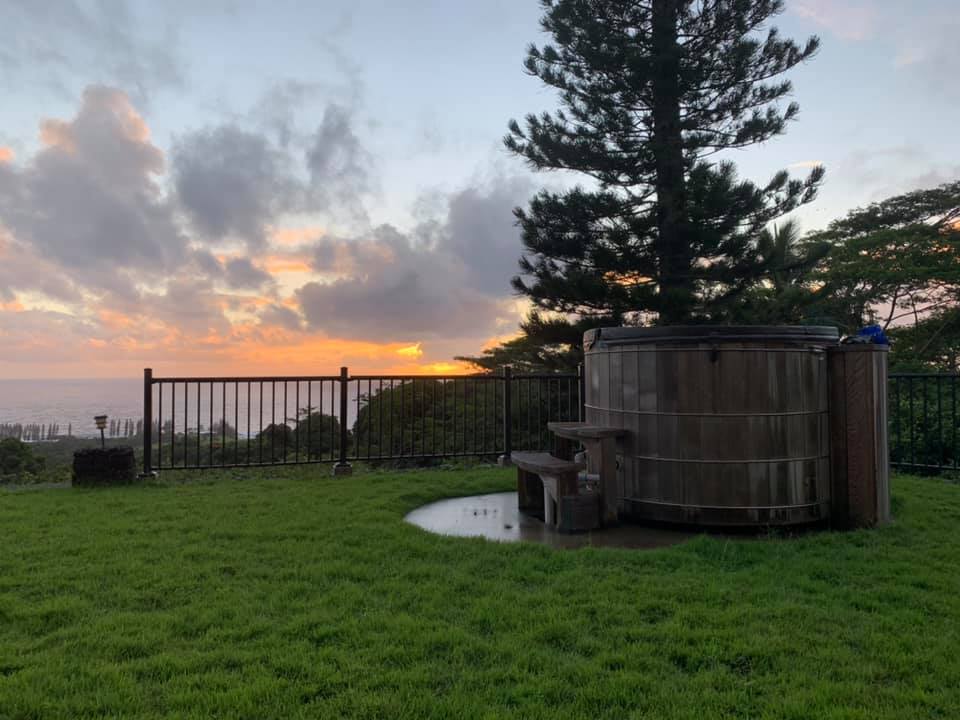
point(70, 401)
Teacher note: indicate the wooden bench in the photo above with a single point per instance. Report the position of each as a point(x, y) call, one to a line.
point(547, 487)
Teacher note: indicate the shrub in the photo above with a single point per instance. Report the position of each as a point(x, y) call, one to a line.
point(17, 462)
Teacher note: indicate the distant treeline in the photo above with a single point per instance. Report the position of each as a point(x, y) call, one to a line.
point(33, 432)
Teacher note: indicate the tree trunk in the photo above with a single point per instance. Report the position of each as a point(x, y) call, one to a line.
point(672, 245)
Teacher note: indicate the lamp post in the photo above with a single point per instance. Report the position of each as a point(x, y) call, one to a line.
point(101, 421)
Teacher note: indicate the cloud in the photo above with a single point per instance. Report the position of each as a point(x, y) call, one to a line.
point(278, 109)
point(86, 219)
point(237, 184)
point(846, 19)
point(29, 336)
point(884, 172)
point(223, 252)
point(241, 273)
point(49, 45)
point(6, 155)
point(927, 51)
point(339, 165)
point(191, 306)
point(480, 231)
point(296, 236)
point(207, 263)
point(22, 270)
point(91, 199)
point(232, 183)
point(411, 351)
point(448, 277)
point(393, 290)
point(282, 317)
point(921, 39)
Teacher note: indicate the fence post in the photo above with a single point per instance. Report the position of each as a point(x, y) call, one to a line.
point(504, 460)
point(343, 467)
point(147, 422)
point(581, 392)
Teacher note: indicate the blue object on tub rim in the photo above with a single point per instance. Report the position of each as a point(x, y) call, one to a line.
point(875, 334)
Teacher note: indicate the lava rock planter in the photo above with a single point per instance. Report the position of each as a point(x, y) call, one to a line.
point(103, 467)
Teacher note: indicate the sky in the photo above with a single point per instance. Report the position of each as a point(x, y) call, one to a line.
point(231, 187)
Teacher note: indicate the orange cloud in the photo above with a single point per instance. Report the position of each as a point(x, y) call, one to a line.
point(446, 368)
point(114, 320)
point(56, 133)
point(243, 303)
point(51, 345)
point(411, 351)
point(279, 264)
point(6, 155)
point(103, 104)
point(296, 236)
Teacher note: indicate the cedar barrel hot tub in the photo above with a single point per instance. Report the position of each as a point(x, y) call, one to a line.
point(726, 425)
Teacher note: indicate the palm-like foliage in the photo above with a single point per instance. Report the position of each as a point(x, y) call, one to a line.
point(785, 291)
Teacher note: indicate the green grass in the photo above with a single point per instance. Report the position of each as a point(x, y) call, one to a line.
point(291, 594)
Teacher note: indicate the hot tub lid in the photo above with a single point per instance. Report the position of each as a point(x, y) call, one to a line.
point(696, 334)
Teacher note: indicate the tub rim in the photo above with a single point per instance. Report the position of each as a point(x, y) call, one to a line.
point(710, 334)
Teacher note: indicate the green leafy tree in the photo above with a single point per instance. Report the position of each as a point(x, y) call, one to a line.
point(221, 428)
point(892, 262)
point(319, 434)
point(429, 417)
point(545, 344)
point(463, 416)
point(931, 345)
point(17, 461)
point(652, 91)
point(275, 442)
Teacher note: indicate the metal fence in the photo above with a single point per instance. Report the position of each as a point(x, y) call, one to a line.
point(923, 422)
point(222, 422)
point(216, 422)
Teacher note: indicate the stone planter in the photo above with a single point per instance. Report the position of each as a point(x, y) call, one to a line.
point(96, 467)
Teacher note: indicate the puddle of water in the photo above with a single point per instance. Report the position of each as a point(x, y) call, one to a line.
point(496, 517)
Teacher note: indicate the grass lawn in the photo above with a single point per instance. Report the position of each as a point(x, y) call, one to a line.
point(288, 594)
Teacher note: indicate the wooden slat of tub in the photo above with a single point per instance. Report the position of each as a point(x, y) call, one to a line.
point(647, 375)
point(840, 503)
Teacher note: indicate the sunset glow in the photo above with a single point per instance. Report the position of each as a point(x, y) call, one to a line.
point(175, 194)
point(233, 296)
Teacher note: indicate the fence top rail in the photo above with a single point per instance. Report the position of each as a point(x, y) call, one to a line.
point(478, 376)
point(426, 377)
point(256, 379)
point(547, 376)
point(924, 375)
point(337, 378)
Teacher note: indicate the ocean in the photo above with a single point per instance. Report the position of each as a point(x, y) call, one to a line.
point(70, 402)
point(73, 403)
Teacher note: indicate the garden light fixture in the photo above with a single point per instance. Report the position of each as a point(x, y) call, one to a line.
point(101, 421)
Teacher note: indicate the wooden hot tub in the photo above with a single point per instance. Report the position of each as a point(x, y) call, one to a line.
point(725, 425)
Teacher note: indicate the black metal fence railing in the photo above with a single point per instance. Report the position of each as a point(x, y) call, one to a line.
point(215, 422)
point(923, 422)
point(222, 422)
